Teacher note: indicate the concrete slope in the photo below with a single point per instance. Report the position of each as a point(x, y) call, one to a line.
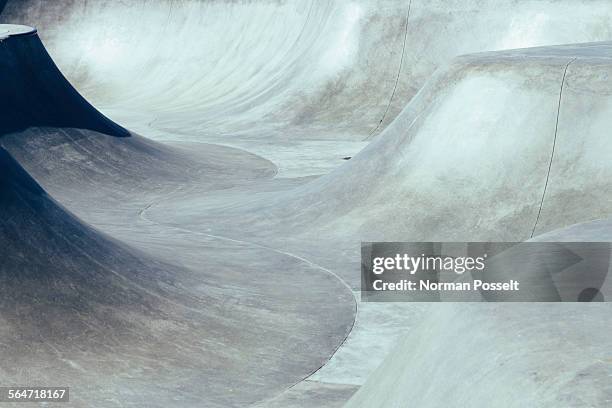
point(112, 321)
point(123, 329)
point(498, 355)
point(439, 30)
point(474, 156)
point(65, 143)
point(239, 61)
point(544, 355)
point(466, 159)
point(495, 147)
point(530, 354)
point(291, 70)
point(490, 149)
point(35, 93)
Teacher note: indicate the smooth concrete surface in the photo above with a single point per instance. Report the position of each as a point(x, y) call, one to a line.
point(244, 261)
point(542, 355)
point(282, 70)
point(567, 363)
point(110, 319)
point(124, 329)
point(499, 355)
point(472, 155)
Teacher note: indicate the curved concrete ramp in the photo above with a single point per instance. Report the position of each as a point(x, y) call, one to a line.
point(253, 296)
point(544, 355)
point(115, 323)
point(439, 30)
point(124, 329)
point(484, 355)
point(488, 150)
point(498, 144)
point(291, 70)
point(478, 154)
point(531, 354)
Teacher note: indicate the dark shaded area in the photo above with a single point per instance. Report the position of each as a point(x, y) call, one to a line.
point(591, 295)
point(14, 181)
point(2, 5)
point(68, 290)
point(33, 92)
point(53, 264)
point(81, 308)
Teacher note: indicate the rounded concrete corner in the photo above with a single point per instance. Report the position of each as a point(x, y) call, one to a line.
point(15, 30)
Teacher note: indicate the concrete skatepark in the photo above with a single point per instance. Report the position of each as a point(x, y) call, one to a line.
point(185, 185)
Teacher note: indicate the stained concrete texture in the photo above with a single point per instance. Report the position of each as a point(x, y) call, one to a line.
point(222, 275)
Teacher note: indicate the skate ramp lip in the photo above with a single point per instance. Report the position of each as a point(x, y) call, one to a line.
point(13, 30)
